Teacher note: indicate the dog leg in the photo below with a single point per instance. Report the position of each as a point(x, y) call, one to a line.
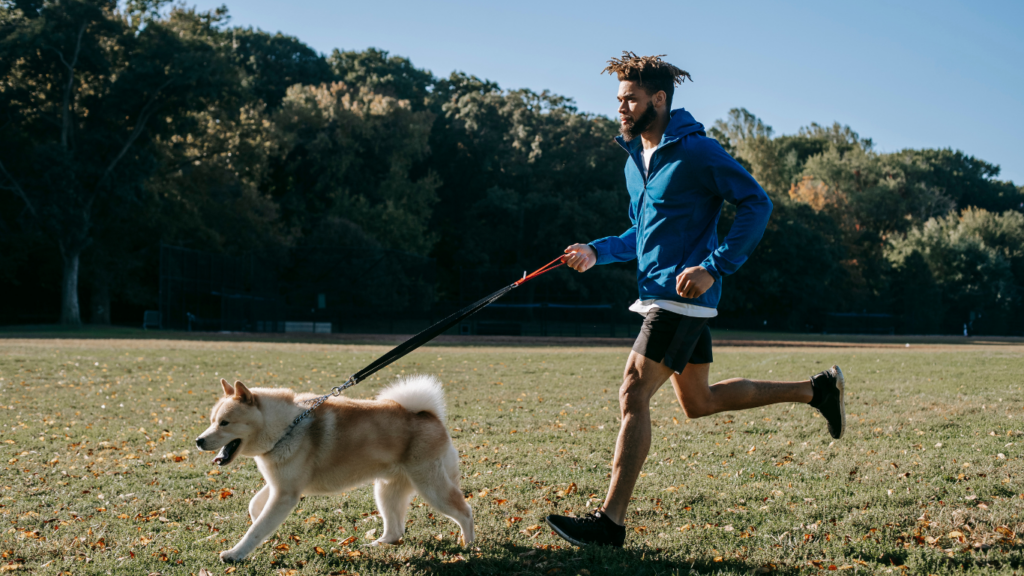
point(437, 482)
point(258, 502)
point(279, 506)
point(393, 496)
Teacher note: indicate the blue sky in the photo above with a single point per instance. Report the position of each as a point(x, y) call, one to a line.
point(906, 74)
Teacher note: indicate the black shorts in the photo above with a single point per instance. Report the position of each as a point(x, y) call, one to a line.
point(674, 340)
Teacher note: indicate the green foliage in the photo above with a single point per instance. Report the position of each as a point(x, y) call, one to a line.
point(274, 62)
point(766, 287)
point(348, 152)
point(971, 258)
point(123, 125)
point(393, 76)
point(86, 93)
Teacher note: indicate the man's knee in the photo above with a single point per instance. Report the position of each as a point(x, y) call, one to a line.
point(632, 395)
point(696, 408)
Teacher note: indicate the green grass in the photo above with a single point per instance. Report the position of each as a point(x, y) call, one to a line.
point(100, 474)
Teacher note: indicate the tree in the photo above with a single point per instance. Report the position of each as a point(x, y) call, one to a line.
point(970, 256)
point(347, 152)
point(274, 62)
point(88, 86)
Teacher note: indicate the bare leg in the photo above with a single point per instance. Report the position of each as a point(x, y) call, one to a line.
point(698, 399)
point(642, 379)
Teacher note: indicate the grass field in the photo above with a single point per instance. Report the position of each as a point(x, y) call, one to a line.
point(101, 476)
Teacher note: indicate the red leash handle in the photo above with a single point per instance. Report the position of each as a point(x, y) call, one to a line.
point(546, 268)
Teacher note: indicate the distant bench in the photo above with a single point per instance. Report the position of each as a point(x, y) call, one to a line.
point(151, 319)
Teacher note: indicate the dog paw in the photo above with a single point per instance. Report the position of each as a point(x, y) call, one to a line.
point(229, 556)
point(382, 542)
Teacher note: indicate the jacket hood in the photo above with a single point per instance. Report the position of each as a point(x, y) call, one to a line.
point(681, 123)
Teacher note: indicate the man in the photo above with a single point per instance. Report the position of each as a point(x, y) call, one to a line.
point(677, 180)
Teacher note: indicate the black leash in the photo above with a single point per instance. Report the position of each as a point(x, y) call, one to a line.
point(416, 341)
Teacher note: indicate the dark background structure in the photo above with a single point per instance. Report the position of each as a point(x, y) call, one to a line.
point(156, 158)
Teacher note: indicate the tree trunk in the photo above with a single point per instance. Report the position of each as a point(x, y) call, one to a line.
point(69, 311)
point(99, 305)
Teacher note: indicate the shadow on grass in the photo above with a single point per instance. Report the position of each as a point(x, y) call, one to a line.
point(512, 560)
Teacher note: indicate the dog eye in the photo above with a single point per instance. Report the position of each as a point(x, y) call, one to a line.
point(223, 422)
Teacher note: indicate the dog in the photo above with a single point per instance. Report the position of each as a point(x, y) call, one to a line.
point(398, 441)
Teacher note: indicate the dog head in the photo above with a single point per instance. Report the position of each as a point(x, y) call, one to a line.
point(234, 422)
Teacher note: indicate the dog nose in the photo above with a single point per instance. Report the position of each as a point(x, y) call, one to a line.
point(201, 442)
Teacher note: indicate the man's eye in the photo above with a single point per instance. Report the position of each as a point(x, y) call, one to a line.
point(223, 422)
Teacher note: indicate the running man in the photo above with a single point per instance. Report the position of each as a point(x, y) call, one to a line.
point(677, 179)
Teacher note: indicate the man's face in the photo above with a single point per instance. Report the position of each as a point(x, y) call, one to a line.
point(637, 109)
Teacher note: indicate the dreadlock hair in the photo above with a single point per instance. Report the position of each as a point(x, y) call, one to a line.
point(650, 72)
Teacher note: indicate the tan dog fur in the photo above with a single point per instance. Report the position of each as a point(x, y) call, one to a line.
point(345, 443)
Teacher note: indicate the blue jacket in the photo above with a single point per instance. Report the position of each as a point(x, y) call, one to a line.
point(675, 212)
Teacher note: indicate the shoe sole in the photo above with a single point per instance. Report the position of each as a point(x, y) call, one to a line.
point(565, 536)
point(841, 385)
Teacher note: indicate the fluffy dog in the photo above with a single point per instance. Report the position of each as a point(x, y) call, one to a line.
point(398, 441)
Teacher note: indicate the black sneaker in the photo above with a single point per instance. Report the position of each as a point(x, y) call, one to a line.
point(595, 528)
point(828, 399)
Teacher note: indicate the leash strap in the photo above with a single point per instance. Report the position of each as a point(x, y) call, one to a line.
point(442, 326)
point(418, 340)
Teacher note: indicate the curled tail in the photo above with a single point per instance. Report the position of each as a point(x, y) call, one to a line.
point(420, 393)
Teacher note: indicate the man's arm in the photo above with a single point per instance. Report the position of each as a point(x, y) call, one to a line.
point(724, 175)
point(583, 257)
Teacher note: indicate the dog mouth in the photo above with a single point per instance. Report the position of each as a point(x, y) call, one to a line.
point(227, 453)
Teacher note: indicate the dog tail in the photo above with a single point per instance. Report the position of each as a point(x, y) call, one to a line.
point(420, 393)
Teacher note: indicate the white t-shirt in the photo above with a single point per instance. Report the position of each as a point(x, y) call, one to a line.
point(648, 152)
point(642, 307)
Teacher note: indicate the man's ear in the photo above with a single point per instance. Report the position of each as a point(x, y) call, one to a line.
point(228, 390)
point(660, 99)
point(242, 394)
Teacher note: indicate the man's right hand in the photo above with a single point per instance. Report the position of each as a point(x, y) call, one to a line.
point(580, 257)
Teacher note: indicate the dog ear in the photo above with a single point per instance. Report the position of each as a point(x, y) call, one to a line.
point(228, 390)
point(242, 394)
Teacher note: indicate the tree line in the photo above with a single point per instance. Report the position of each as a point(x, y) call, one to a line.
point(128, 125)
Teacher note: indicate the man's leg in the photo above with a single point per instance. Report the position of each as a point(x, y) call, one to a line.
point(698, 399)
point(643, 377)
point(641, 380)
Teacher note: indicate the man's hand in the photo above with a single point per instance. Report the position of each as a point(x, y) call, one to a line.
point(580, 257)
point(693, 282)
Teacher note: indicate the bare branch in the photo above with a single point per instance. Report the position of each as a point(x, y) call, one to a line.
point(18, 190)
point(65, 133)
point(144, 115)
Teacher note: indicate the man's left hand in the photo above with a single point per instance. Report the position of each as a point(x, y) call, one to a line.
point(693, 282)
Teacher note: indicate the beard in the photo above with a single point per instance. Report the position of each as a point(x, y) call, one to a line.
point(630, 129)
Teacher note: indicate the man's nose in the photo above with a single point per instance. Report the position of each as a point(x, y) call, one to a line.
point(201, 443)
